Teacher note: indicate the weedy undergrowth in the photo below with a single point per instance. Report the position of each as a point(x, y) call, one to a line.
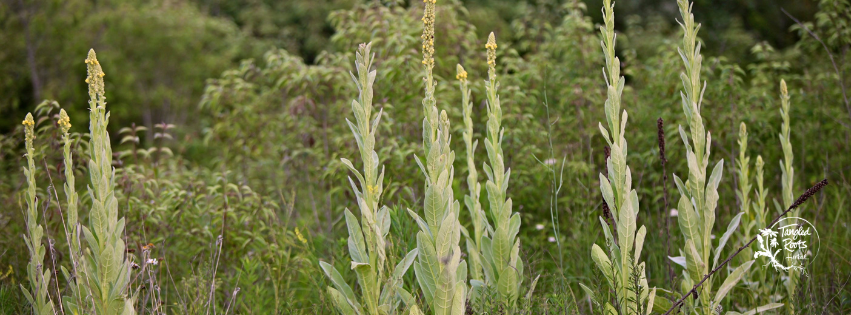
point(38, 275)
point(381, 290)
point(699, 197)
point(620, 263)
point(440, 271)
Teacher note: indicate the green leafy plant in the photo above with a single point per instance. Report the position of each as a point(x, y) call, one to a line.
point(38, 275)
point(367, 237)
point(481, 227)
point(501, 261)
point(105, 269)
point(620, 263)
point(72, 226)
point(440, 271)
point(699, 196)
point(787, 180)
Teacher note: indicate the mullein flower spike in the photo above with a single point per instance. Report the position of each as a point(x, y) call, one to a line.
point(37, 273)
point(787, 178)
point(699, 194)
point(474, 206)
point(440, 271)
point(500, 251)
point(381, 289)
point(106, 268)
point(620, 262)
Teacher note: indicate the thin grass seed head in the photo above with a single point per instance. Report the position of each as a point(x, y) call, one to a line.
point(660, 136)
point(809, 193)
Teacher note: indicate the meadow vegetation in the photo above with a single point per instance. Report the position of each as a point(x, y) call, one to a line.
point(320, 187)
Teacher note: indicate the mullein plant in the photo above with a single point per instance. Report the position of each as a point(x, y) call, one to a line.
point(753, 220)
point(72, 226)
point(104, 269)
point(381, 290)
point(38, 275)
point(481, 227)
point(500, 252)
point(787, 179)
point(440, 271)
point(621, 267)
point(750, 219)
point(699, 197)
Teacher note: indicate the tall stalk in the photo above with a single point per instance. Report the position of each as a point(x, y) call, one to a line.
point(72, 226)
point(501, 253)
point(699, 197)
point(37, 273)
point(621, 264)
point(749, 217)
point(440, 271)
point(474, 206)
point(367, 237)
point(106, 269)
point(787, 180)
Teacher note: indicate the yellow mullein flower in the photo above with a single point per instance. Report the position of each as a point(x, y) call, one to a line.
point(491, 47)
point(428, 34)
point(462, 75)
point(300, 237)
point(28, 129)
point(95, 76)
point(64, 121)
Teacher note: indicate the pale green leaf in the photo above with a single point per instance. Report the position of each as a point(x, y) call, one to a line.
point(731, 281)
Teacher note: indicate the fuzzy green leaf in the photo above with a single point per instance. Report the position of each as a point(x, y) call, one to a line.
point(731, 281)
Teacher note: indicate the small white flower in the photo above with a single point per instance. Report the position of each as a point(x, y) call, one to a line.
point(551, 239)
point(674, 212)
point(550, 161)
point(152, 261)
point(539, 227)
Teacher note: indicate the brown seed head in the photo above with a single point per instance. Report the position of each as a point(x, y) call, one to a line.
point(660, 126)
